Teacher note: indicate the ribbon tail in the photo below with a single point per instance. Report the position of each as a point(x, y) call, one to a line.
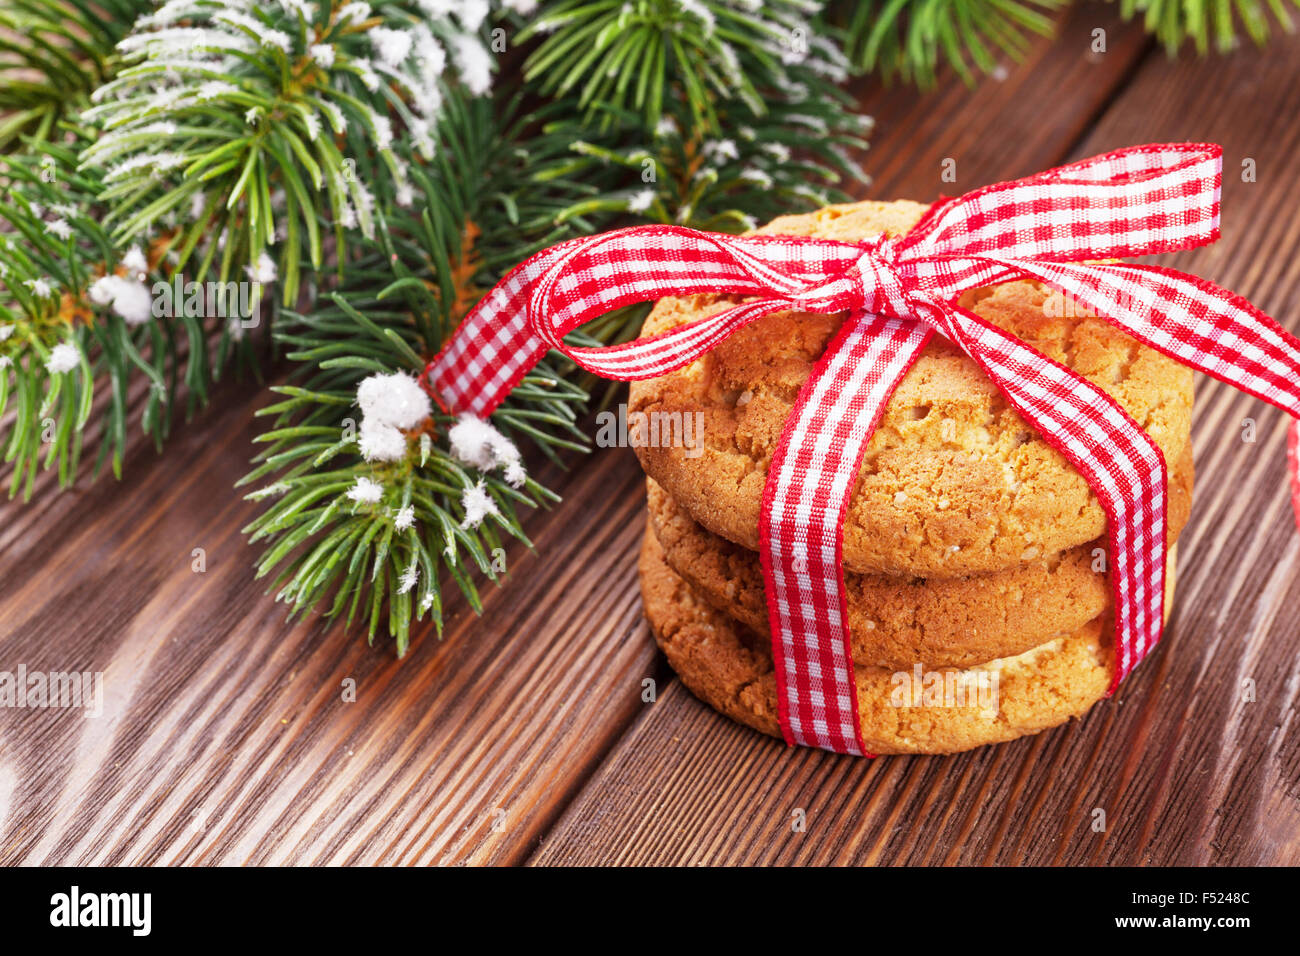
point(1293, 466)
point(1192, 320)
point(1196, 323)
point(1120, 462)
point(1161, 197)
point(802, 525)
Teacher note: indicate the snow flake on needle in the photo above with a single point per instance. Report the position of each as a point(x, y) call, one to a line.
point(473, 63)
point(263, 270)
point(322, 54)
point(215, 88)
point(389, 404)
point(366, 491)
point(128, 298)
point(391, 46)
point(354, 12)
point(476, 442)
point(64, 357)
point(134, 261)
point(407, 581)
point(720, 150)
point(478, 504)
point(395, 399)
point(641, 201)
point(404, 519)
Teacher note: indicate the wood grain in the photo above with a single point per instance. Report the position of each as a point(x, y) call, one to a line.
point(225, 737)
point(521, 736)
point(1017, 122)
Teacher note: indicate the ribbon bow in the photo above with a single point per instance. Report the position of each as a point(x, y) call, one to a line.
point(898, 292)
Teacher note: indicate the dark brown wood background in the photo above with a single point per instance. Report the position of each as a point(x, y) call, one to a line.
point(521, 737)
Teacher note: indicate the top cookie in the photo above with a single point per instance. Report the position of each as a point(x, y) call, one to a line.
point(953, 481)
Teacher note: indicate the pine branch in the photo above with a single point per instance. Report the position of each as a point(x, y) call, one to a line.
point(53, 53)
point(912, 38)
point(59, 338)
point(795, 155)
point(218, 116)
point(1174, 22)
point(614, 55)
point(266, 122)
point(352, 537)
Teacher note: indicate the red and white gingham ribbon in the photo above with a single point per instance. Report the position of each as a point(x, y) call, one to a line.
point(898, 292)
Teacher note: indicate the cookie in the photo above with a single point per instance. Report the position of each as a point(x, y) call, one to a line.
point(903, 711)
point(953, 482)
point(945, 622)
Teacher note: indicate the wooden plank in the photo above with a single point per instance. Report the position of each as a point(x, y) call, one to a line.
point(225, 739)
point(1186, 770)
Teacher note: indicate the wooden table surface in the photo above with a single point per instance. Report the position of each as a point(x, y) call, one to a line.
point(521, 737)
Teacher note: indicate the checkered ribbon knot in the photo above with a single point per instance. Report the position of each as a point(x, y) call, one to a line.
point(896, 293)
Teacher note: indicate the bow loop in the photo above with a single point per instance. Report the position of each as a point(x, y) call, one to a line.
point(1138, 201)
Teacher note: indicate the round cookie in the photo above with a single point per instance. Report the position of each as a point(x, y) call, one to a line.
point(953, 482)
point(730, 669)
point(944, 622)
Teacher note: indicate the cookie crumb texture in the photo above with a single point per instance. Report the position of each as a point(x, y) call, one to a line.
point(953, 482)
point(895, 621)
point(730, 668)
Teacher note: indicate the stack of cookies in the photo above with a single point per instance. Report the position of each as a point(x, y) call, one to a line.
point(975, 561)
